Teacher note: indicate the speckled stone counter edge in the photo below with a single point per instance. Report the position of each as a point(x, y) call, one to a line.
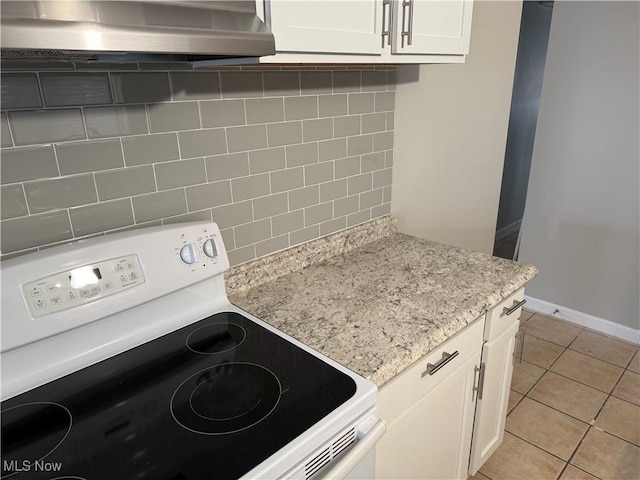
point(266, 269)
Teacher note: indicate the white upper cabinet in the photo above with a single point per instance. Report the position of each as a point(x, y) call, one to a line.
point(327, 26)
point(368, 31)
point(432, 27)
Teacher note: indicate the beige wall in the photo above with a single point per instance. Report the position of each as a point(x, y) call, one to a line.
point(450, 134)
point(581, 221)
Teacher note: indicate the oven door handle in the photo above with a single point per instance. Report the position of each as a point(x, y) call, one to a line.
point(364, 445)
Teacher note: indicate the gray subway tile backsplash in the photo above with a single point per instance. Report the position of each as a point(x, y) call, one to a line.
point(222, 113)
point(287, 222)
point(276, 155)
point(346, 205)
point(125, 182)
point(5, 134)
point(299, 108)
point(20, 90)
point(272, 245)
point(264, 110)
point(286, 133)
point(27, 163)
point(223, 167)
point(289, 179)
point(34, 230)
point(270, 205)
point(209, 195)
point(254, 232)
point(332, 149)
point(361, 103)
point(31, 127)
point(153, 206)
point(304, 235)
point(140, 87)
point(91, 156)
point(116, 121)
point(180, 173)
point(252, 186)
point(145, 149)
point(318, 213)
point(267, 160)
point(251, 137)
point(62, 192)
point(304, 197)
point(195, 85)
point(317, 129)
point(282, 84)
point(332, 105)
point(241, 84)
point(233, 214)
point(70, 89)
point(12, 201)
point(171, 117)
point(98, 217)
point(200, 143)
point(302, 154)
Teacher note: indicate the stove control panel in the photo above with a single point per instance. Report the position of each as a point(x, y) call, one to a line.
point(82, 285)
point(198, 250)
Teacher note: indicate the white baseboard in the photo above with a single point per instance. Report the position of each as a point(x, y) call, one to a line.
point(504, 232)
point(600, 324)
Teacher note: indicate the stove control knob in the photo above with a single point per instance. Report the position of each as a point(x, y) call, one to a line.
point(188, 254)
point(210, 249)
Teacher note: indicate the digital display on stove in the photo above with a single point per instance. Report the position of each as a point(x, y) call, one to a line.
point(209, 401)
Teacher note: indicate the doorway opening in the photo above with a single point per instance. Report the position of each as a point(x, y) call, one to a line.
point(527, 88)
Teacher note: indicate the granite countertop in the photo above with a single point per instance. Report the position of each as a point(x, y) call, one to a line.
point(379, 307)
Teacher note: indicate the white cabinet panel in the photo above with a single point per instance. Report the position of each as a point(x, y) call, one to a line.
point(327, 26)
point(430, 415)
point(432, 27)
point(491, 409)
point(431, 441)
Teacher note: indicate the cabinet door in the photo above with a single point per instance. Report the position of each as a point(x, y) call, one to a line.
point(432, 27)
point(431, 440)
point(491, 409)
point(327, 26)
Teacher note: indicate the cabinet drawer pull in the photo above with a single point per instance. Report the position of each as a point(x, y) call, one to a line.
point(516, 305)
point(434, 367)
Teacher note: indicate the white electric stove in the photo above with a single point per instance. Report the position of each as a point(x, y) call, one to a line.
point(123, 358)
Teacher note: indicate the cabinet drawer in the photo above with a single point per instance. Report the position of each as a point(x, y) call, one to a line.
point(501, 317)
point(395, 398)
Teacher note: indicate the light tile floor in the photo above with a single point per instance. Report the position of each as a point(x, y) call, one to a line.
point(574, 408)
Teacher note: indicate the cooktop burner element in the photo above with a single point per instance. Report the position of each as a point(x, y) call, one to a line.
point(226, 398)
point(216, 338)
point(191, 413)
point(31, 432)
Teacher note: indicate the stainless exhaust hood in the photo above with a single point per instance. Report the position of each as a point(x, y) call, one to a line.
point(133, 31)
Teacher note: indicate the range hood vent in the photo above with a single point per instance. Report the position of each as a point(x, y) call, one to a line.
point(133, 31)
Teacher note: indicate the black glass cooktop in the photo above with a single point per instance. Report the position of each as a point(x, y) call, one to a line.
point(209, 401)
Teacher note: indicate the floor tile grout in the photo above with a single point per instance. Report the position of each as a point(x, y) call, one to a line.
point(590, 425)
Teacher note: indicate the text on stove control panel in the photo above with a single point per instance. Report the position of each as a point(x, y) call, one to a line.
point(82, 285)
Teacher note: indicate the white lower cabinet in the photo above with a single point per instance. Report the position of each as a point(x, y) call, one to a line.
point(439, 424)
point(491, 408)
point(430, 416)
point(497, 357)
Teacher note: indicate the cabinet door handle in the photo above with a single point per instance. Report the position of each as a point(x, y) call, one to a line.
point(516, 305)
point(519, 349)
point(434, 367)
point(480, 388)
point(408, 32)
point(386, 24)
